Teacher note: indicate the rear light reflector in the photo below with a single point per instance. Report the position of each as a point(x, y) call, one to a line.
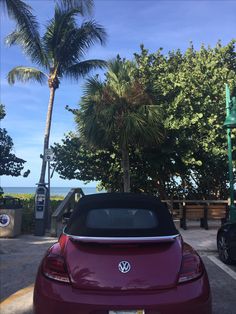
point(191, 267)
point(54, 267)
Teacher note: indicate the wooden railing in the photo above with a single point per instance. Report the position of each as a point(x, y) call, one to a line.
point(67, 205)
point(180, 210)
point(202, 210)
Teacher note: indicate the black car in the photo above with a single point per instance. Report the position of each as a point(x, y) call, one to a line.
point(226, 243)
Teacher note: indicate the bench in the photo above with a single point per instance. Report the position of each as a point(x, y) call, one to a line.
point(217, 211)
point(203, 213)
point(193, 212)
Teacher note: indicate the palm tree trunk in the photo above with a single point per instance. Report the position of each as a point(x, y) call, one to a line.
point(47, 133)
point(161, 189)
point(125, 166)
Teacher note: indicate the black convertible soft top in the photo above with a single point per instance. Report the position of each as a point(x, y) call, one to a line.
point(120, 202)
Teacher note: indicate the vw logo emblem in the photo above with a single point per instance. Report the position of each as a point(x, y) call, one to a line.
point(124, 267)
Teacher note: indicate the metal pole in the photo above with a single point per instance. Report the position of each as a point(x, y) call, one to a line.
point(49, 179)
point(48, 209)
point(232, 208)
point(231, 174)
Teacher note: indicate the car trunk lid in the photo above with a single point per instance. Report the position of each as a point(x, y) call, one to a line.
point(154, 264)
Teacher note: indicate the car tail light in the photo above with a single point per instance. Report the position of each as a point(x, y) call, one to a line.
point(54, 267)
point(191, 267)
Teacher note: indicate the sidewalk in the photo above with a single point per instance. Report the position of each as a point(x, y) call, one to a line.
point(200, 239)
point(20, 257)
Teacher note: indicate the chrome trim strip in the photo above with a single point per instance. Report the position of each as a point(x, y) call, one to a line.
point(123, 239)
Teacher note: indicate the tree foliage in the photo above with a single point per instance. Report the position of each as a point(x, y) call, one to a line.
point(189, 89)
point(76, 160)
point(118, 112)
point(61, 52)
point(2, 112)
point(10, 164)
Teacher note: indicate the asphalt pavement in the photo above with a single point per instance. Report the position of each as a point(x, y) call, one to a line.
point(20, 257)
point(19, 261)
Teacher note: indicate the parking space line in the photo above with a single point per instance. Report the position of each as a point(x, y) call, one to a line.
point(225, 268)
point(18, 294)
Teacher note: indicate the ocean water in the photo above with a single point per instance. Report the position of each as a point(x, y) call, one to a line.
point(54, 190)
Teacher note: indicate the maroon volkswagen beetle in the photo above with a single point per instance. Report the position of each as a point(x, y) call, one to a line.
point(120, 253)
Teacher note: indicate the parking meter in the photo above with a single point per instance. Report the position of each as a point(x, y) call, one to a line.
point(41, 202)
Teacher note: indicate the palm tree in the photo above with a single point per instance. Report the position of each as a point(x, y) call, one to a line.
point(119, 112)
point(63, 48)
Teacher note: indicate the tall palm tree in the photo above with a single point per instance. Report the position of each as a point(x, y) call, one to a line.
point(63, 48)
point(119, 112)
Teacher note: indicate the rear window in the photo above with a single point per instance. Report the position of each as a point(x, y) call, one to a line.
point(120, 215)
point(120, 222)
point(121, 218)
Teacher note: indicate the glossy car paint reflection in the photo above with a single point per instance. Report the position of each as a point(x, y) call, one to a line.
point(95, 270)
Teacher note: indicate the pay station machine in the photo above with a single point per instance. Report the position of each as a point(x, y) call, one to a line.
point(41, 199)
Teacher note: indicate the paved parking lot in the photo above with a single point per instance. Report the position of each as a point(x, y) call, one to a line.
point(223, 286)
point(19, 260)
point(20, 257)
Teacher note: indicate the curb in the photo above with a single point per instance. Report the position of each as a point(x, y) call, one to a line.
point(18, 294)
point(206, 251)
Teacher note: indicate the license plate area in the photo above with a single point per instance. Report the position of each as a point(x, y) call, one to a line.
point(127, 312)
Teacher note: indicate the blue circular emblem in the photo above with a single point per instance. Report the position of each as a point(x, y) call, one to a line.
point(4, 220)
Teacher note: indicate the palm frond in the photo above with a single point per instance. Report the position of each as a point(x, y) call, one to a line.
point(81, 69)
point(25, 74)
point(88, 125)
point(119, 110)
point(26, 34)
point(88, 34)
point(93, 86)
point(120, 76)
point(94, 31)
point(19, 11)
point(86, 6)
point(59, 32)
point(77, 41)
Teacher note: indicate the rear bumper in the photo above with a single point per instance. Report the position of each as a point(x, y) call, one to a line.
point(51, 297)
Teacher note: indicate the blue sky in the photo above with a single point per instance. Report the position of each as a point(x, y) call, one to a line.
point(167, 24)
